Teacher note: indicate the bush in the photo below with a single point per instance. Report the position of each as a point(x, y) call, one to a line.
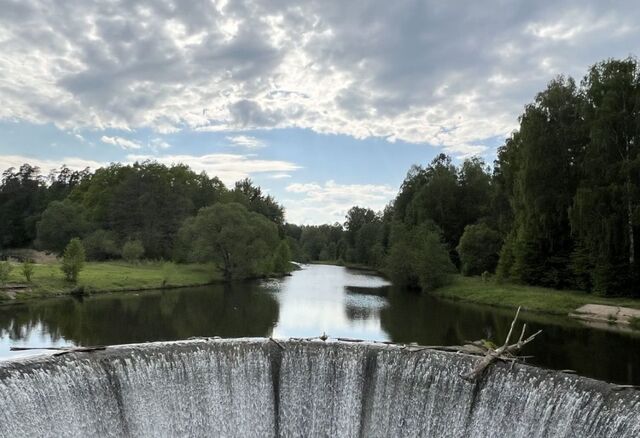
point(5, 271)
point(417, 258)
point(101, 245)
point(27, 270)
point(282, 258)
point(479, 249)
point(73, 260)
point(132, 251)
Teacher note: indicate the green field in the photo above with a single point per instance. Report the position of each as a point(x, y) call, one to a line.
point(96, 277)
point(536, 299)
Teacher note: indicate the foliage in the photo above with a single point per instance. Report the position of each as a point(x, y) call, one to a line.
point(132, 251)
point(605, 211)
point(27, 270)
point(417, 257)
point(60, 222)
point(24, 194)
point(238, 241)
point(101, 245)
point(5, 271)
point(73, 260)
point(478, 249)
point(282, 258)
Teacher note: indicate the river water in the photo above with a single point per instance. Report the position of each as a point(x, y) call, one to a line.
point(317, 299)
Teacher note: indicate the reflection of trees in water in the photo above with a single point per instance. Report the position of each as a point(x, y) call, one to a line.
point(227, 311)
point(563, 344)
point(367, 307)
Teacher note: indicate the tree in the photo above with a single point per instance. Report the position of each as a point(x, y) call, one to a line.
point(479, 249)
point(27, 270)
point(282, 258)
point(73, 260)
point(605, 214)
point(60, 222)
point(101, 245)
point(132, 251)
point(541, 168)
point(240, 242)
point(417, 257)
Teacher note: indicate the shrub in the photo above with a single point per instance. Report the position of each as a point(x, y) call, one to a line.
point(100, 245)
point(73, 260)
point(479, 249)
point(132, 251)
point(27, 270)
point(417, 258)
point(282, 258)
point(5, 271)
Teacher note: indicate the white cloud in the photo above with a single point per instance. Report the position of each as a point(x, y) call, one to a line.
point(246, 141)
point(158, 143)
point(329, 202)
point(415, 71)
point(46, 165)
point(120, 142)
point(279, 176)
point(228, 167)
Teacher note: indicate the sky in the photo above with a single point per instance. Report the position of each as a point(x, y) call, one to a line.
point(325, 104)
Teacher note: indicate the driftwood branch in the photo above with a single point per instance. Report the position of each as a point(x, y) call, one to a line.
point(505, 352)
point(62, 350)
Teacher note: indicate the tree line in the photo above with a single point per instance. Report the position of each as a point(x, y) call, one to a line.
point(144, 210)
point(559, 207)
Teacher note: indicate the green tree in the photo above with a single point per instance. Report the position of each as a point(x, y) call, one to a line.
point(101, 245)
point(60, 222)
point(479, 249)
point(132, 251)
point(27, 270)
point(542, 163)
point(73, 260)
point(282, 258)
point(606, 210)
point(417, 257)
point(239, 242)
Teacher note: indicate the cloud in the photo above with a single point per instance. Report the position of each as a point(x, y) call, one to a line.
point(246, 141)
point(329, 202)
point(279, 176)
point(158, 144)
point(435, 72)
point(47, 165)
point(228, 167)
point(120, 142)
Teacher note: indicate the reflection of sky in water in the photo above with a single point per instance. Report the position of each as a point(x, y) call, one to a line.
point(33, 336)
point(315, 301)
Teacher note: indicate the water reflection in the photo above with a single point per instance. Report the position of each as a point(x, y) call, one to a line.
point(315, 300)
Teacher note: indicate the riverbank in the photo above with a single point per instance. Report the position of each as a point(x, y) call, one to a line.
point(102, 277)
point(531, 298)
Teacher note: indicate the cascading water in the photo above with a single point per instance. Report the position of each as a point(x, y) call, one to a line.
point(256, 387)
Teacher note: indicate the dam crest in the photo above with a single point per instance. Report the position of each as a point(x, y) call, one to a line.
point(259, 387)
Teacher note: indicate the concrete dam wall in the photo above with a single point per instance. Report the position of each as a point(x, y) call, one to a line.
point(260, 388)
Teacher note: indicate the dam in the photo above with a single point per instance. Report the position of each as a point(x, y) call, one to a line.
point(257, 387)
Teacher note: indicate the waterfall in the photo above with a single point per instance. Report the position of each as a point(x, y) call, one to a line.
point(257, 387)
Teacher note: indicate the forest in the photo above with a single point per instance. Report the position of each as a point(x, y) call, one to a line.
point(559, 207)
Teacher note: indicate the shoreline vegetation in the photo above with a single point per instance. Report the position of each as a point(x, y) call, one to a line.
point(493, 292)
point(111, 277)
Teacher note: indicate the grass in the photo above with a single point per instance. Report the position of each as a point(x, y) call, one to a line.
point(536, 299)
point(48, 280)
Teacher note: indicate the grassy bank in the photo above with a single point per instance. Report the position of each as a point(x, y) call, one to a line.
point(536, 299)
point(344, 264)
point(99, 277)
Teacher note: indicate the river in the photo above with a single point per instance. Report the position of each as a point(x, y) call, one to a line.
point(318, 299)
